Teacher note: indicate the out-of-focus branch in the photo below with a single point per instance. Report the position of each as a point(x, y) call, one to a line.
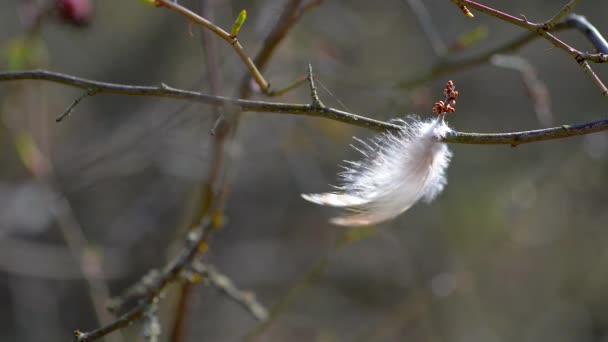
point(164, 91)
point(153, 286)
point(223, 284)
point(591, 33)
point(428, 27)
point(41, 260)
point(535, 87)
point(309, 278)
point(450, 64)
point(347, 238)
point(186, 296)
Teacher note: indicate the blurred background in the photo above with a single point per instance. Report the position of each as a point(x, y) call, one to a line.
point(513, 250)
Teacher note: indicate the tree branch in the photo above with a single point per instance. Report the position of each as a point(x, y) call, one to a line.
point(542, 30)
point(232, 40)
point(164, 91)
point(450, 64)
point(153, 286)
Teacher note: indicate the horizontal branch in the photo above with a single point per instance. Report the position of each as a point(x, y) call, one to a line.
point(315, 110)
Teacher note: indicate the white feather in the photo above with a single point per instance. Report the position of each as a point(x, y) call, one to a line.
point(397, 170)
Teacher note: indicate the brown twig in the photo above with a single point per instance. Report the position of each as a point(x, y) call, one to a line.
point(542, 29)
point(230, 39)
point(292, 13)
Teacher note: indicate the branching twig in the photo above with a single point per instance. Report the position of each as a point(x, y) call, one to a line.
point(221, 282)
point(164, 91)
point(232, 40)
point(291, 14)
point(567, 9)
point(452, 64)
point(542, 29)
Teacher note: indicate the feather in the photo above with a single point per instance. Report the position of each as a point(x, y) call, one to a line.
point(397, 170)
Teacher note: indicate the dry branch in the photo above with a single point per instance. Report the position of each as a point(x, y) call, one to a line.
point(164, 91)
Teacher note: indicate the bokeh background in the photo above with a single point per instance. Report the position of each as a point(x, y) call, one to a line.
point(513, 250)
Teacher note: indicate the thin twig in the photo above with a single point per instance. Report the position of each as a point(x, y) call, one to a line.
point(164, 91)
point(594, 77)
point(232, 40)
point(316, 101)
point(70, 109)
point(285, 300)
point(567, 9)
point(428, 27)
point(221, 282)
point(455, 64)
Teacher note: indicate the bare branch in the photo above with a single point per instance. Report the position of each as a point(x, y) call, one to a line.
point(561, 14)
point(170, 273)
point(221, 282)
point(164, 91)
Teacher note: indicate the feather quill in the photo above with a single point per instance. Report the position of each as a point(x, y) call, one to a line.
point(396, 171)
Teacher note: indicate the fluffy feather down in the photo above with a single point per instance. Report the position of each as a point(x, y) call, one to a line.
point(397, 170)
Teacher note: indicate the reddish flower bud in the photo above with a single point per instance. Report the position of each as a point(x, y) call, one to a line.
point(77, 12)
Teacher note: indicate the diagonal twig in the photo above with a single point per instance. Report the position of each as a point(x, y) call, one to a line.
point(170, 273)
point(542, 30)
